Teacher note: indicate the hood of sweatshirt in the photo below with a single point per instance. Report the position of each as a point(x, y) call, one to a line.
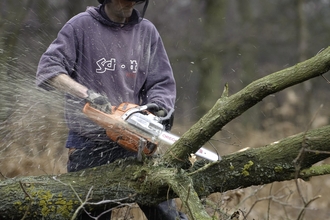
point(99, 14)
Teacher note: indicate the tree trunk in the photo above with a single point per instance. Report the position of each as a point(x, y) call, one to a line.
point(158, 179)
point(210, 61)
point(58, 197)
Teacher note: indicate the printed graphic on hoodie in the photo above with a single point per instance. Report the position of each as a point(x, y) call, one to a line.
point(111, 65)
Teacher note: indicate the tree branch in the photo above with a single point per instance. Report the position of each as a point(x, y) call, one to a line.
point(184, 188)
point(228, 108)
point(257, 166)
point(315, 170)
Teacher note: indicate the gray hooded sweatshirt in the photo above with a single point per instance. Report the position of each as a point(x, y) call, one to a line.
point(126, 63)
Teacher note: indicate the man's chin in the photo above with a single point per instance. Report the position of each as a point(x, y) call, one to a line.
point(127, 13)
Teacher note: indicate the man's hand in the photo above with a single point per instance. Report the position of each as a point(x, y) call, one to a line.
point(98, 101)
point(162, 113)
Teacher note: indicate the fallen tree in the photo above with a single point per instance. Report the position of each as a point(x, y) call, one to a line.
point(160, 178)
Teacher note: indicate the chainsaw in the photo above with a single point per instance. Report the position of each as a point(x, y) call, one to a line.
point(136, 129)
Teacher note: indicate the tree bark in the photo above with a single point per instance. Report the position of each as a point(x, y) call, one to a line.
point(158, 179)
point(286, 159)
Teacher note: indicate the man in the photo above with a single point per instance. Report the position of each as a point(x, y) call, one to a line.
point(108, 55)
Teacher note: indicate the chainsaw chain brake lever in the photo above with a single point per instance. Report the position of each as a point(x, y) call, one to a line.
point(131, 111)
point(139, 109)
point(149, 106)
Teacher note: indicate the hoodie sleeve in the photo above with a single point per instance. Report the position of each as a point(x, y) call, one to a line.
point(59, 58)
point(160, 87)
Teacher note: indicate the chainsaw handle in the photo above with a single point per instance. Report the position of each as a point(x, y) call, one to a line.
point(152, 106)
point(168, 115)
point(139, 109)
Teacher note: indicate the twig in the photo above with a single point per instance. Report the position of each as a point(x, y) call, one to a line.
point(275, 199)
point(88, 197)
point(187, 200)
point(176, 156)
point(109, 201)
point(325, 79)
point(168, 193)
point(269, 201)
point(27, 194)
point(248, 197)
point(65, 184)
point(301, 214)
point(317, 151)
point(301, 154)
point(203, 168)
point(239, 144)
point(82, 204)
point(272, 198)
point(187, 203)
point(106, 211)
point(3, 175)
point(304, 142)
point(127, 210)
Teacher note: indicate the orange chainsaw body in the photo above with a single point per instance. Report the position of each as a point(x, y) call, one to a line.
point(118, 130)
